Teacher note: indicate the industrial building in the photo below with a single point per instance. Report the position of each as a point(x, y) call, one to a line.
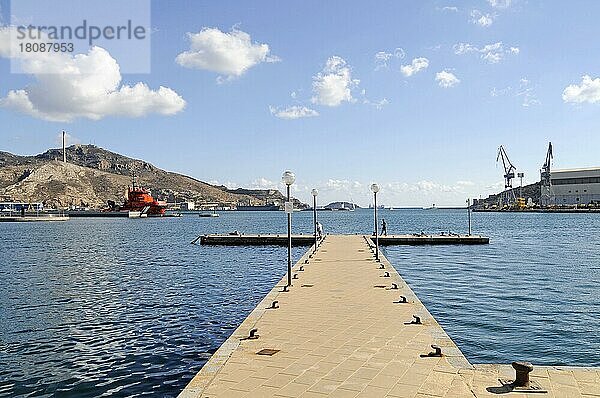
point(573, 186)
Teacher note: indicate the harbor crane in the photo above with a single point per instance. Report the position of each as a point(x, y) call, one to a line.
point(509, 174)
point(545, 181)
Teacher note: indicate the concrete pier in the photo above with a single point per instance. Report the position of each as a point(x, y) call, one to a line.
point(34, 218)
point(308, 240)
point(351, 327)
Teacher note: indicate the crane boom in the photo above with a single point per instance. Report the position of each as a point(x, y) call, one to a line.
point(545, 173)
point(509, 168)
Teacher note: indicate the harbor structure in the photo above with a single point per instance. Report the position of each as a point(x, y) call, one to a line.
point(578, 186)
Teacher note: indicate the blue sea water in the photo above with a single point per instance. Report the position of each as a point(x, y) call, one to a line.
point(124, 307)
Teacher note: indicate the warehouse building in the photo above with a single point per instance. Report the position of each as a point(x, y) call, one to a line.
point(573, 186)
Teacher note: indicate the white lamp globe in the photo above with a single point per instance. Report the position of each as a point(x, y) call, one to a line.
point(288, 178)
point(374, 188)
point(314, 192)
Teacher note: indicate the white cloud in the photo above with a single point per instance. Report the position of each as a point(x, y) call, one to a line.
point(492, 53)
point(449, 8)
point(446, 79)
point(524, 92)
point(263, 183)
point(293, 112)
point(500, 3)
point(481, 19)
point(379, 105)
point(230, 54)
point(587, 91)
point(293, 94)
point(334, 84)
point(415, 66)
point(382, 58)
point(88, 86)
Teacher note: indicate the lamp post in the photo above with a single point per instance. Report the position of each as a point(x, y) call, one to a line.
point(314, 193)
point(521, 175)
point(375, 189)
point(288, 179)
point(469, 214)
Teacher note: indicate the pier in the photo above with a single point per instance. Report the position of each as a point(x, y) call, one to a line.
point(40, 218)
point(350, 326)
point(308, 240)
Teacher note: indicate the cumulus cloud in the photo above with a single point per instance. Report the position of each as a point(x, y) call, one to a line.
point(587, 91)
point(481, 19)
point(334, 84)
point(446, 79)
point(293, 112)
point(491, 53)
point(88, 86)
point(500, 3)
point(415, 66)
point(230, 54)
point(382, 58)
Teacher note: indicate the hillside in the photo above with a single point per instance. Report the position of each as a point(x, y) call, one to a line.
point(93, 176)
point(529, 191)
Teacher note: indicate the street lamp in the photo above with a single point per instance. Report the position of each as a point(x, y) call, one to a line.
point(314, 193)
point(375, 189)
point(469, 214)
point(288, 179)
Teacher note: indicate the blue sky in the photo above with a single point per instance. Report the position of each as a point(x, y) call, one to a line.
point(453, 80)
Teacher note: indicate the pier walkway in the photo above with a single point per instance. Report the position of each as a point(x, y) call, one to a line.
point(343, 330)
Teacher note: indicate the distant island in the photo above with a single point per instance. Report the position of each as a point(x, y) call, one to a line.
point(341, 206)
point(95, 178)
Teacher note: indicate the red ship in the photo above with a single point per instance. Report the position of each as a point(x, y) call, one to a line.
point(139, 199)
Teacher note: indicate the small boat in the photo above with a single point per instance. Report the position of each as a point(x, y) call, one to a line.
point(430, 208)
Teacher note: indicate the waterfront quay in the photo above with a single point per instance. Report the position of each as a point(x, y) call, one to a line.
point(349, 326)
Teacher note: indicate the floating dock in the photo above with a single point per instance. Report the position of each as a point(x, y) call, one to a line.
point(308, 240)
point(349, 326)
point(33, 218)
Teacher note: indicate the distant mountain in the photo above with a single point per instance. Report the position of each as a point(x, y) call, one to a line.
point(92, 176)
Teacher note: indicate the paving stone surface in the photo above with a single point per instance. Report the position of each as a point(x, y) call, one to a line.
point(340, 332)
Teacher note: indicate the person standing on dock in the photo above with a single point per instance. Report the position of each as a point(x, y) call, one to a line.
point(383, 227)
point(319, 230)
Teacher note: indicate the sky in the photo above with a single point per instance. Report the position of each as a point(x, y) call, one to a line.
point(414, 95)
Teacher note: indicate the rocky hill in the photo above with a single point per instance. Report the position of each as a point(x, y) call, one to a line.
point(93, 176)
point(529, 191)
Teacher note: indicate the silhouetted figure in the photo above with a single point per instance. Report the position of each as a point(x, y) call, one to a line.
point(383, 227)
point(319, 230)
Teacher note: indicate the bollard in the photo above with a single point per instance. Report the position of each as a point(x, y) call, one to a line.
point(394, 286)
point(306, 261)
point(285, 289)
point(522, 370)
point(295, 276)
point(253, 335)
point(437, 352)
point(402, 300)
point(274, 305)
point(386, 275)
point(301, 268)
point(416, 320)
point(382, 266)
